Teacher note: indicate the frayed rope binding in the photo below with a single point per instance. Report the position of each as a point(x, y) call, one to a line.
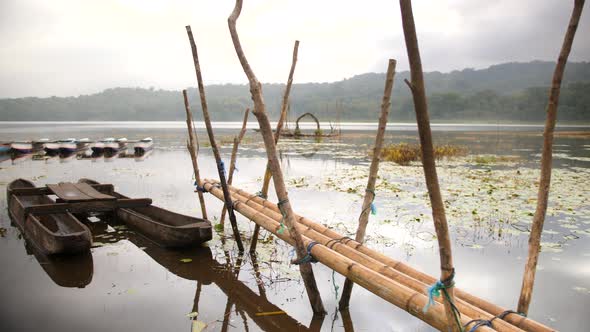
point(308, 258)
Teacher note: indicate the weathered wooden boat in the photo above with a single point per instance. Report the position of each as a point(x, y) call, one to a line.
point(52, 233)
point(168, 229)
point(144, 145)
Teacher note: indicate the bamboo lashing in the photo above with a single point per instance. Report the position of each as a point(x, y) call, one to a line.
point(386, 288)
point(493, 309)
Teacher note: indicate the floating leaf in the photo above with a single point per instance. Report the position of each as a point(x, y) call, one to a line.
point(198, 326)
point(186, 260)
point(192, 314)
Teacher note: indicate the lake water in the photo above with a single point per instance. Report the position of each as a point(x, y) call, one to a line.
point(128, 283)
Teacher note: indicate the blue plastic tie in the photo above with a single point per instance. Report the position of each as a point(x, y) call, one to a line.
point(433, 291)
point(221, 167)
point(373, 209)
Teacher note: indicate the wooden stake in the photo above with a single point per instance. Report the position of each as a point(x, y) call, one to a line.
point(192, 148)
point(374, 168)
point(207, 119)
point(421, 108)
point(234, 155)
point(282, 120)
point(266, 131)
point(546, 159)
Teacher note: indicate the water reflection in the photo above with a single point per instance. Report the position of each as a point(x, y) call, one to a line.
point(198, 264)
point(67, 270)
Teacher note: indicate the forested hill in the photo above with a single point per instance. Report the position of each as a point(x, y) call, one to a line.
point(506, 93)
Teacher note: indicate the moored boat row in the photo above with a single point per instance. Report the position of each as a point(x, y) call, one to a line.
point(108, 145)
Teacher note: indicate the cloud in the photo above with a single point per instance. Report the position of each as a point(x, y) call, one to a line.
point(67, 47)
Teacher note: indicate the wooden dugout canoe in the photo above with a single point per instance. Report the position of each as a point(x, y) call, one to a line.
point(56, 233)
point(166, 228)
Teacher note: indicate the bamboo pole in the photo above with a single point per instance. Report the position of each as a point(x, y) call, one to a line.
point(438, 208)
point(192, 148)
point(373, 170)
point(282, 119)
point(528, 281)
point(281, 191)
point(232, 163)
point(207, 119)
point(386, 288)
point(373, 264)
point(516, 320)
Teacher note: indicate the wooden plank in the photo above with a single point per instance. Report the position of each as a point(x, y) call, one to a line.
point(90, 191)
point(68, 192)
point(46, 191)
point(133, 202)
point(89, 206)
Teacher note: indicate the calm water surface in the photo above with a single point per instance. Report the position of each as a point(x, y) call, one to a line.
point(127, 283)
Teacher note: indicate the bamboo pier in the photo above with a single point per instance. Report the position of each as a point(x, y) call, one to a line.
point(391, 280)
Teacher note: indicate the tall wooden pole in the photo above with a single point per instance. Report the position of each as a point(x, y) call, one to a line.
point(374, 168)
point(438, 208)
point(528, 281)
point(282, 120)
point(192, 148)
point(266, 131)
point(234, 156)
point(207, 119)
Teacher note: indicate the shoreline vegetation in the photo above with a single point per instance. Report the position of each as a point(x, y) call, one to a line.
point(504, 93)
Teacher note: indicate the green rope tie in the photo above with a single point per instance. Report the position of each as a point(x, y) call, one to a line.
point(280, 204)
point(435, 289)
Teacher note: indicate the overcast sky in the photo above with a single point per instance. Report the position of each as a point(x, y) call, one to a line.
point(72, 47)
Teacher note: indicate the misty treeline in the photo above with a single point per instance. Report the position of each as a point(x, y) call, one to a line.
point(500, 93)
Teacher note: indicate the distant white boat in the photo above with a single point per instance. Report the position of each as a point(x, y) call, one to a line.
point(73, 145)
point(40, 144)
point(52, 147)
point(98, 147)
point(145, 144)
point(115, 145)
point(22, 147)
